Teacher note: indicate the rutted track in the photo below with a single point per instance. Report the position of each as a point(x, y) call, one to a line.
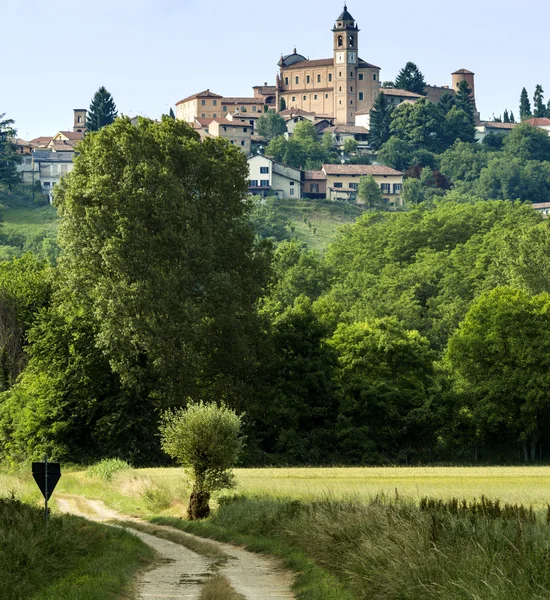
point(179, 573)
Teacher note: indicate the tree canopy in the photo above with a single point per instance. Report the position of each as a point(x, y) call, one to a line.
point(410, 78)
point(102, 110)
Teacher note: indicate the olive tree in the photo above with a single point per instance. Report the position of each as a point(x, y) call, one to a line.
point(205, 439)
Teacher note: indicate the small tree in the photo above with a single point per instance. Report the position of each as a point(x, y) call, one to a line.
point(270, 125)
point(524, 106)
point(8, 157)
point(206, 440)
point(102, 110)
point(380, 121)
point(369, 191)
point(538, 102)
point(350, 146)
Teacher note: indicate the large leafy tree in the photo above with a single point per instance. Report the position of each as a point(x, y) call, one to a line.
point(527, 143)
point(410, 78)
point(524, 105)
point(8, 158)
point(270, 125)
point(380, 121)
point(538, 102)
point(500, 356)
point(420, 124)
point(158, 246)
point(102, 110)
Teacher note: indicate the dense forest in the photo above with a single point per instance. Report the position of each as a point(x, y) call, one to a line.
point(419, 335)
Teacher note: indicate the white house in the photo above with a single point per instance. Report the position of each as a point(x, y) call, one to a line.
point(268, 177)
point(540, 122)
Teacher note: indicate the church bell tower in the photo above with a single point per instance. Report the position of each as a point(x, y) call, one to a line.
point(346, 44)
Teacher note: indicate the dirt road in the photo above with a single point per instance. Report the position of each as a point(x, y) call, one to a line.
point(179, 572)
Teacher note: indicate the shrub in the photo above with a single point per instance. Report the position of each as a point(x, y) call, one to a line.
point(106, 468)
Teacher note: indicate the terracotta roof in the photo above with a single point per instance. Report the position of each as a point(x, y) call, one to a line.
point(71, 135)
point(257, 138)
point(292, 112)
point(314, 175)
point(397, 92)
point(20, 142)
point(463, 72)
point(359, 170)
point(41, 141)
point(266, 89)
point(242, 101)
point(200, 122)
point(539, 122)
point(326, 62)
point(62, 146)
point(495, 125)
point(232, 123)
point(205, 94)
point(348, 129)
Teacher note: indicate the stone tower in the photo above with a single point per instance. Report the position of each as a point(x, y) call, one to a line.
point(80, 120)
point(468, 77)
point(346, 43)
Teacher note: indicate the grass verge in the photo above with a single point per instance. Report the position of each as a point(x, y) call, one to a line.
point(219, 588)
point(392, 548)
point(73, 559)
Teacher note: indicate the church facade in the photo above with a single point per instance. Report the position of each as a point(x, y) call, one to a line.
point(338, 87)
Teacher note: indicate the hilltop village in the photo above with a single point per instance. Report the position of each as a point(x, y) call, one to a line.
point(337, 95)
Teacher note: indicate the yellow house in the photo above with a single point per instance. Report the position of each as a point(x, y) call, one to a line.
point(235, 132)
point(208, 105)
point(343, 182)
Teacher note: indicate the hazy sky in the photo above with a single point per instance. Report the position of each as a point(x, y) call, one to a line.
point(151, 53)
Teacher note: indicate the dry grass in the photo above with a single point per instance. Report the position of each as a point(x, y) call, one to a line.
point(219, 588)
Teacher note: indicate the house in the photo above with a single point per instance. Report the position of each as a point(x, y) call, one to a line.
point(341, 133)
point(343, 182)
point(543, 208)
point(268, 177)
point(540, 122)
point(315, 184)
point(235, 132)
point(50, 166)
point(486, 127)
point(208, 105)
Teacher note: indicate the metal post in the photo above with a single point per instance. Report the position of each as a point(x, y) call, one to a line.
point(46, 488)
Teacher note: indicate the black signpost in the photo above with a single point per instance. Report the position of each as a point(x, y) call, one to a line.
point(46, 475)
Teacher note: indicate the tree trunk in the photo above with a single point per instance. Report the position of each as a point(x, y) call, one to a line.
point(534, 449)
point(198, 505)
point(525, 452)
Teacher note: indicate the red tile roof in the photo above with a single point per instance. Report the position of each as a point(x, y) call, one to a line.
point(314, 175)
point(463, 72)
point(496, 125)
point(359, 170)
point(41, 141)
point(397, 92)
point(242, 101)
point(232, 123)
point(325, 62)
point(348, 129)
point(539, 122)
point(205, 94)
point(72, 135)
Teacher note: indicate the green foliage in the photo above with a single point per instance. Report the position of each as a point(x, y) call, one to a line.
point(419, 124)
point(524, 106)
point(410, 78)
point(499, 355)
point(206, 439)
point(9, 177)
point(270, 125)
point(267, 221)
point(102, 110)
point(538, 102)
point(526, 142)
point(464, 100)
point(369, 192)
point(463, 162)
point(350, 146)
point(71, 559)
point(397, 153)
point(106, 468)
point(380, 121)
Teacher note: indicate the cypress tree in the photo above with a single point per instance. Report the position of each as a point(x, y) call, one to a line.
point(538, 102)
point(506, 117)
point(465, 100)
point(171, 113)
point(410, 78)
point(524, 106)
point(380, 121)
point(102, 110)
point(8, 158)
point(512, 118)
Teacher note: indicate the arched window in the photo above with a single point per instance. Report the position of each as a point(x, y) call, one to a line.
point(351, 41)
point(340, 41)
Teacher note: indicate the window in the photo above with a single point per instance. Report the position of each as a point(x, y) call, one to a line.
point(385, 187)
point(326, 95)
point(79, 120)
point(340, 41)
point(224, 108)
point(351, 41)
point(253, 183)
point(339, 73)
point(315, 96)
point(338, 184)
point(242, 142)
point(203, 115)
point(374, 76)
point(397, 188)
point(224, 128)
point(264, 182)
point(351, 74)
point(340, 89)
point(351, 88)
point(203, 102)
point(351, 102)
point(330, 76)
point(354, 186)
point(214, 115)
point(286, 80)
point(360, 95)
point(339, 101)
point(304, 97)
point(297, 79)
point(46, 184)
point(254, 109)
point(292, 183)
point(243, 108)
point(361, 76)
point(308, 79)
point(264, 169)
point(293, 98)
point(318, 78)
point(215, 102)
point(314, 188)
point(292, 191)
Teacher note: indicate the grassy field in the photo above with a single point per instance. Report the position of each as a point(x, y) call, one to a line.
point(317, 222)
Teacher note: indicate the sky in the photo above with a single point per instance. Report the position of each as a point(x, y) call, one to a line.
point(152, 53)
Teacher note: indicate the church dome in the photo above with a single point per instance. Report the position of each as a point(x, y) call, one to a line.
point(291, 59)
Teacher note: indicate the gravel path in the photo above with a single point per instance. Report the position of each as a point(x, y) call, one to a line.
point(179, 573)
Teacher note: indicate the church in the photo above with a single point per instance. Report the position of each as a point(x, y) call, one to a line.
point(339, 87)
